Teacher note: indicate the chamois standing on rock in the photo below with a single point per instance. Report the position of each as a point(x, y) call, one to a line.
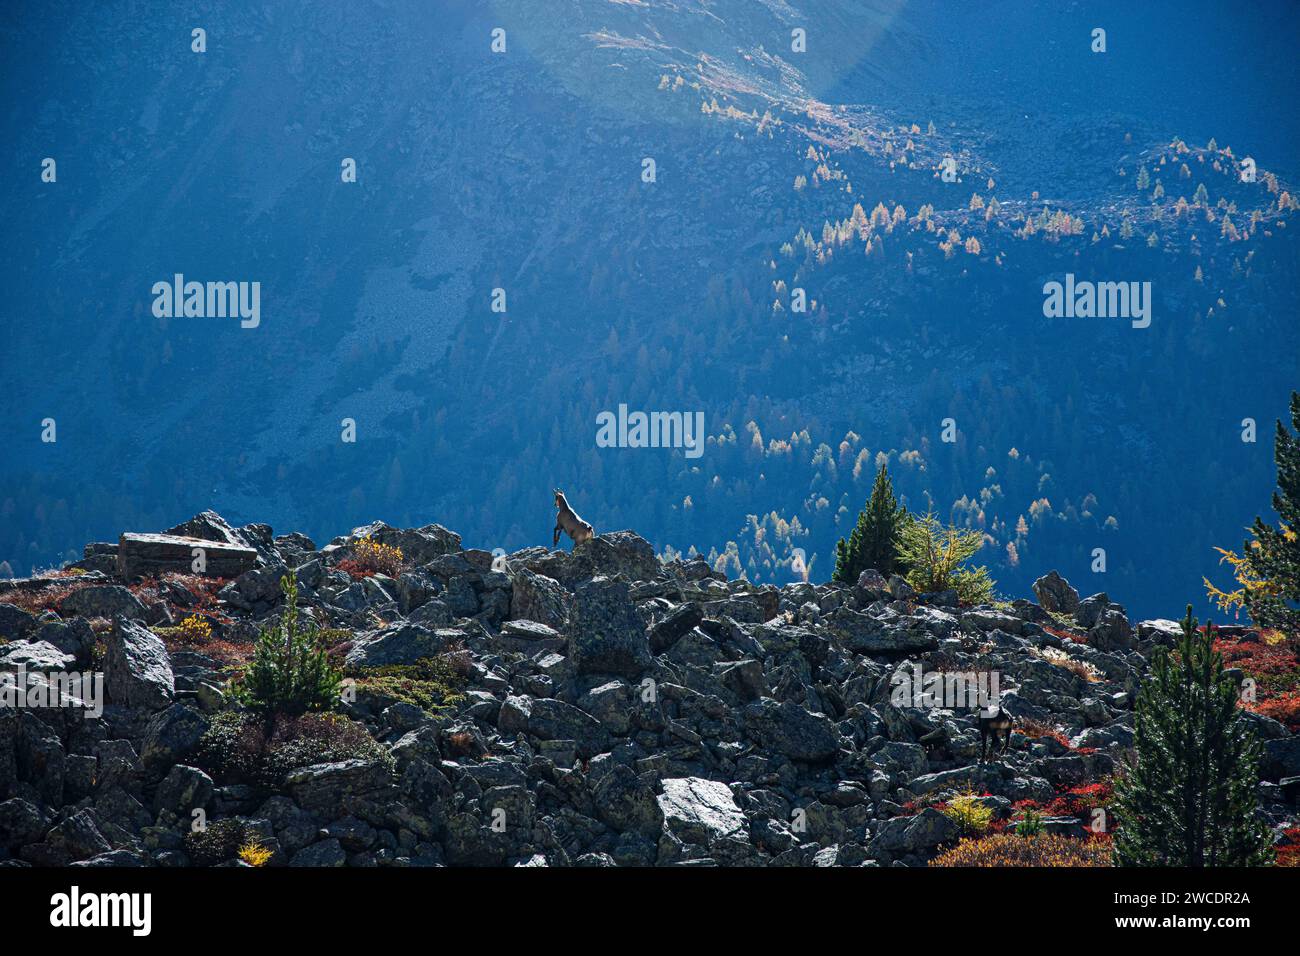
point(568, 521)
point(999, 722)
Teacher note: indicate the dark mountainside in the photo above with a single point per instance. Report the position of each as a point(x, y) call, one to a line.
point(522, 171)
point(594, 707)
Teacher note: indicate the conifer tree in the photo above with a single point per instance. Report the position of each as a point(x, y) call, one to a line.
point(1189, 797)
point(874, 541)
point(1273, 558)
point(291, 671)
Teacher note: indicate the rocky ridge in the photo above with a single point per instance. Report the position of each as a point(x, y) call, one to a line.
point(610, 709)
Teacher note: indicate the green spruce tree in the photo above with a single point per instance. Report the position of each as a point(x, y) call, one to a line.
point(873, 543)
point(1189, 799)
point(291, 672)
point(1273, 558)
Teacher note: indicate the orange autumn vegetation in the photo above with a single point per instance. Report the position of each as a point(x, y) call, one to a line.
point(1044, 849)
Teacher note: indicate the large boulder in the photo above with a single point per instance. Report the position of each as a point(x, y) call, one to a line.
point(183, 790)
point(210, 526)
point(607, 633)
point(333, 790)
point(790, 730)
point(924, 831)
point(73, 637)
point(256, 590)
point(700, 811)
point(170, 736)
point(626, 802)
point(39, 656)
point(21, 822)
point(1112, 631)
point(1055, 594)
point(550, 719)
point(419, 545)
point(871, 586)
point(1160, 631)
point(415, 589)
point(15, 623)
point(326, 853)
point(1282, 758)
point(1091, 608)
point(400, 644)
point(140, 555)
point(864, 634)
point(77, 838)
point(105, 600)
point(679, 622)
point(535, 597)
point(137, 670)
point(622, 553)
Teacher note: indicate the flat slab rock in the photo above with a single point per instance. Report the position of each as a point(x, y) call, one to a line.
point(529, 630)
point(145, 554)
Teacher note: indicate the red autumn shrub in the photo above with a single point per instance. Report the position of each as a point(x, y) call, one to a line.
point(1288, 849)
point(1066, 635)
point(1079, 802)
point(354, 569)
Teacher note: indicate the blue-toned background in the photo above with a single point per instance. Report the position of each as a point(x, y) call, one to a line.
point(522, 171)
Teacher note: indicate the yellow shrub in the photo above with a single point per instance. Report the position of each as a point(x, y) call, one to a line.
point(254, 854)
point(373, 555)
point(971, 816)
point(1008, 849)
point(195, 630)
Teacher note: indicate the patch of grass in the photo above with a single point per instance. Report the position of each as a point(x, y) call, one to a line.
point(1063, 660)
point(1081, 801)
point(1287, 849)
point(36, 603)
point(1063, 620)
point(1036, 729)
point(461, 743)
point(1272, 661)
point(432, 683)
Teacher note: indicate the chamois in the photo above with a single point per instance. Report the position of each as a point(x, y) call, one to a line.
point(568, 521)
point(999, 722)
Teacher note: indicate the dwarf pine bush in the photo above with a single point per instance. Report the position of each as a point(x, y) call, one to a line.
point(291, 672)
point(935, 555)
point(1030, 825)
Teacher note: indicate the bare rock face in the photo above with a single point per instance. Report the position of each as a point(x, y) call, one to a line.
point(607, 633)
point(419, 545)
point(700, 811)
point(535, 597)
point(107, 601)
point(789, 729)
point(137, 668)
point(585, 707)
point(1055, 594)
point(616, 553)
